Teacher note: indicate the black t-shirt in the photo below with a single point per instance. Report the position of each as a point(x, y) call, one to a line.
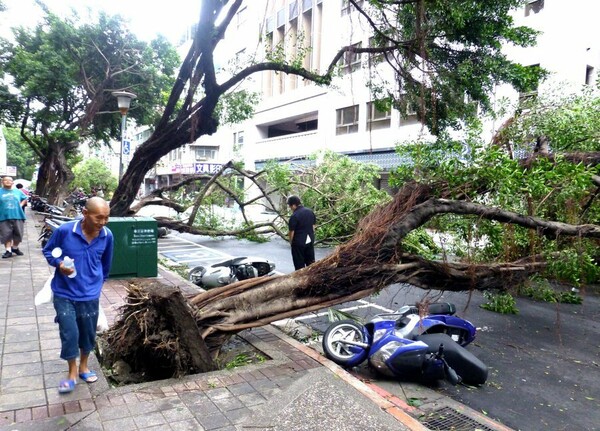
point(302, 222)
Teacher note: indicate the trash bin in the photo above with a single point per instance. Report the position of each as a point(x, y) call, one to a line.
point(136, 247)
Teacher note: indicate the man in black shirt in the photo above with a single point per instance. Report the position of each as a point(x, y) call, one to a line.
point(302, 233)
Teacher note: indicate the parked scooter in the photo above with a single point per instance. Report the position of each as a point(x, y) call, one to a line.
point(49, 226)
point(408, 346)
point(230, 271)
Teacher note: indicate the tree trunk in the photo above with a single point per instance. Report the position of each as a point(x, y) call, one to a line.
point(54, 175)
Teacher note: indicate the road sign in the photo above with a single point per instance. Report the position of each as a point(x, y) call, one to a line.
point(126, 148)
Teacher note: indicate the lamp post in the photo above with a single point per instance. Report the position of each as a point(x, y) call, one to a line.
point(124, 99)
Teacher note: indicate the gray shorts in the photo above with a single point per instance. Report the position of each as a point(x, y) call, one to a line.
point(11, 230)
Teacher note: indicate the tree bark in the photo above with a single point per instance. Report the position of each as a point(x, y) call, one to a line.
point(54, 175)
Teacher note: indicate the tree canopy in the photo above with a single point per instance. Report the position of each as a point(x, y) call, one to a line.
point(64, 71)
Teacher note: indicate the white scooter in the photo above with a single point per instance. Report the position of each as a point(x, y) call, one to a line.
point(230, 271)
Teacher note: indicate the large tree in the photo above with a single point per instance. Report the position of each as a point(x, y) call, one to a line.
point(439, 51)
point(456, 46)
point(64, 72)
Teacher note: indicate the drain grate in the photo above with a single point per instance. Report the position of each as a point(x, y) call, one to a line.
point(448, 419)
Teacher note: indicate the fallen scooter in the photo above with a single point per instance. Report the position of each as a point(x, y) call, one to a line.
point(230, 271)
point(407, 346)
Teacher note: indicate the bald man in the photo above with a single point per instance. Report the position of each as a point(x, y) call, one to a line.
point(76, 299)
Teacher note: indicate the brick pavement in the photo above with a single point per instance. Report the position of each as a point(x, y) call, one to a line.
point(221, 400)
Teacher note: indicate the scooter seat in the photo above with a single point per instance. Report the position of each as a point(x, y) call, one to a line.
point(466, 364)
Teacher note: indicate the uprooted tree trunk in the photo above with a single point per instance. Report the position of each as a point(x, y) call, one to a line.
point(370, 261)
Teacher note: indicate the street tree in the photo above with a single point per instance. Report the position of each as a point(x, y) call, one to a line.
point(64, 71)
point(441, 52)
point(91, 175)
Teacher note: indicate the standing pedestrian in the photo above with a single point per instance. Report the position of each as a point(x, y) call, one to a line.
point(301, 233)
point(12, 217)
point(89, 243)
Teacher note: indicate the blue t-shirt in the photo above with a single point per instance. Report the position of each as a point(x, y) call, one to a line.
point(92, 261)
point(10, 204)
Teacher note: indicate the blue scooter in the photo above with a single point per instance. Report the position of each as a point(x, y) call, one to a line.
point(408, 346)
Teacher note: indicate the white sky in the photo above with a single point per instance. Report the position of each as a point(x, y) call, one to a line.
point(147, 17)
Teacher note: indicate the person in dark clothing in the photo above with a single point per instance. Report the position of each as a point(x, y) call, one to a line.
point(301, 233)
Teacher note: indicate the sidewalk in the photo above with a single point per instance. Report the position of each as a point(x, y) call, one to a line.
point(297, 389)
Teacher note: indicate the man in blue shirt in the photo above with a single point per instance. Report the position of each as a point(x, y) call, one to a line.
point(12, 217)
point(89, 243)
point(301, 233)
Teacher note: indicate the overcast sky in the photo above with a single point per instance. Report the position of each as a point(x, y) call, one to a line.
point(147, 17)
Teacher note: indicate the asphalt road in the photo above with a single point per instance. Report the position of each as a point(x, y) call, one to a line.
point(544, 361)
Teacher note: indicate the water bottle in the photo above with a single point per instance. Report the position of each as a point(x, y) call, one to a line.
point(68, 263)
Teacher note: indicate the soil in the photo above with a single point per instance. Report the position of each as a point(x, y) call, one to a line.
point(236, 353)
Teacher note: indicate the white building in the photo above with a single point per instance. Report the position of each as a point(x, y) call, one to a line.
point(295, 117)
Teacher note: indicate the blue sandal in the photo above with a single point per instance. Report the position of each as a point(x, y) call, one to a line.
point(66, 386)
point(89, 377)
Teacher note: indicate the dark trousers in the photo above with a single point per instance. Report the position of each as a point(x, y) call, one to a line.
point(303, 255)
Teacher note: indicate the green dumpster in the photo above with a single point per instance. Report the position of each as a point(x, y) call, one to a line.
point(135, 252)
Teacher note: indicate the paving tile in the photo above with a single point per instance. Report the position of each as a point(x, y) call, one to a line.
point(113, 412)
point(23, 415)
point(27, 346)
point(218, 394)
point(204, 406)
point(31, 320)
point(21, 358)
point(22, 400)
point(38, 413)
point(149, 420)
point(186, 425)
point(142, 407)
point(213, 421)
point(7, 418)
point(22, 384)
point(241, 388)
point(253, 399)
point(121, 424)
point(237, 415)
point(228, 404)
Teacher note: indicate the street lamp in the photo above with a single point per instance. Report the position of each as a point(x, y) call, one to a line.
point(124, 99)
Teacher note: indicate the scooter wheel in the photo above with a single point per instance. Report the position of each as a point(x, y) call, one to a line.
point(340, 343)
point(195, 275)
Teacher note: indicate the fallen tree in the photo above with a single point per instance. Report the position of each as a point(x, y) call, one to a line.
point(373, 259)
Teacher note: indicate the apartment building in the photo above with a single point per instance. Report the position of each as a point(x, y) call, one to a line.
point(295, 117)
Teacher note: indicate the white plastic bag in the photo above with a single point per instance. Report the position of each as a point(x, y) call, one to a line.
point(45, 295)
point(102, 324)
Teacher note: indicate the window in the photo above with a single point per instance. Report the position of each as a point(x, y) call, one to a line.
point(350, 61)
point(238, 140)
point(377, 119)
point(347, 120)
point(204, 153)
point(280, 18)
point(306, 5)
point(348, 8)
point(589, 75)
point(534, 7)
point(241, 17)
point(293, 10)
